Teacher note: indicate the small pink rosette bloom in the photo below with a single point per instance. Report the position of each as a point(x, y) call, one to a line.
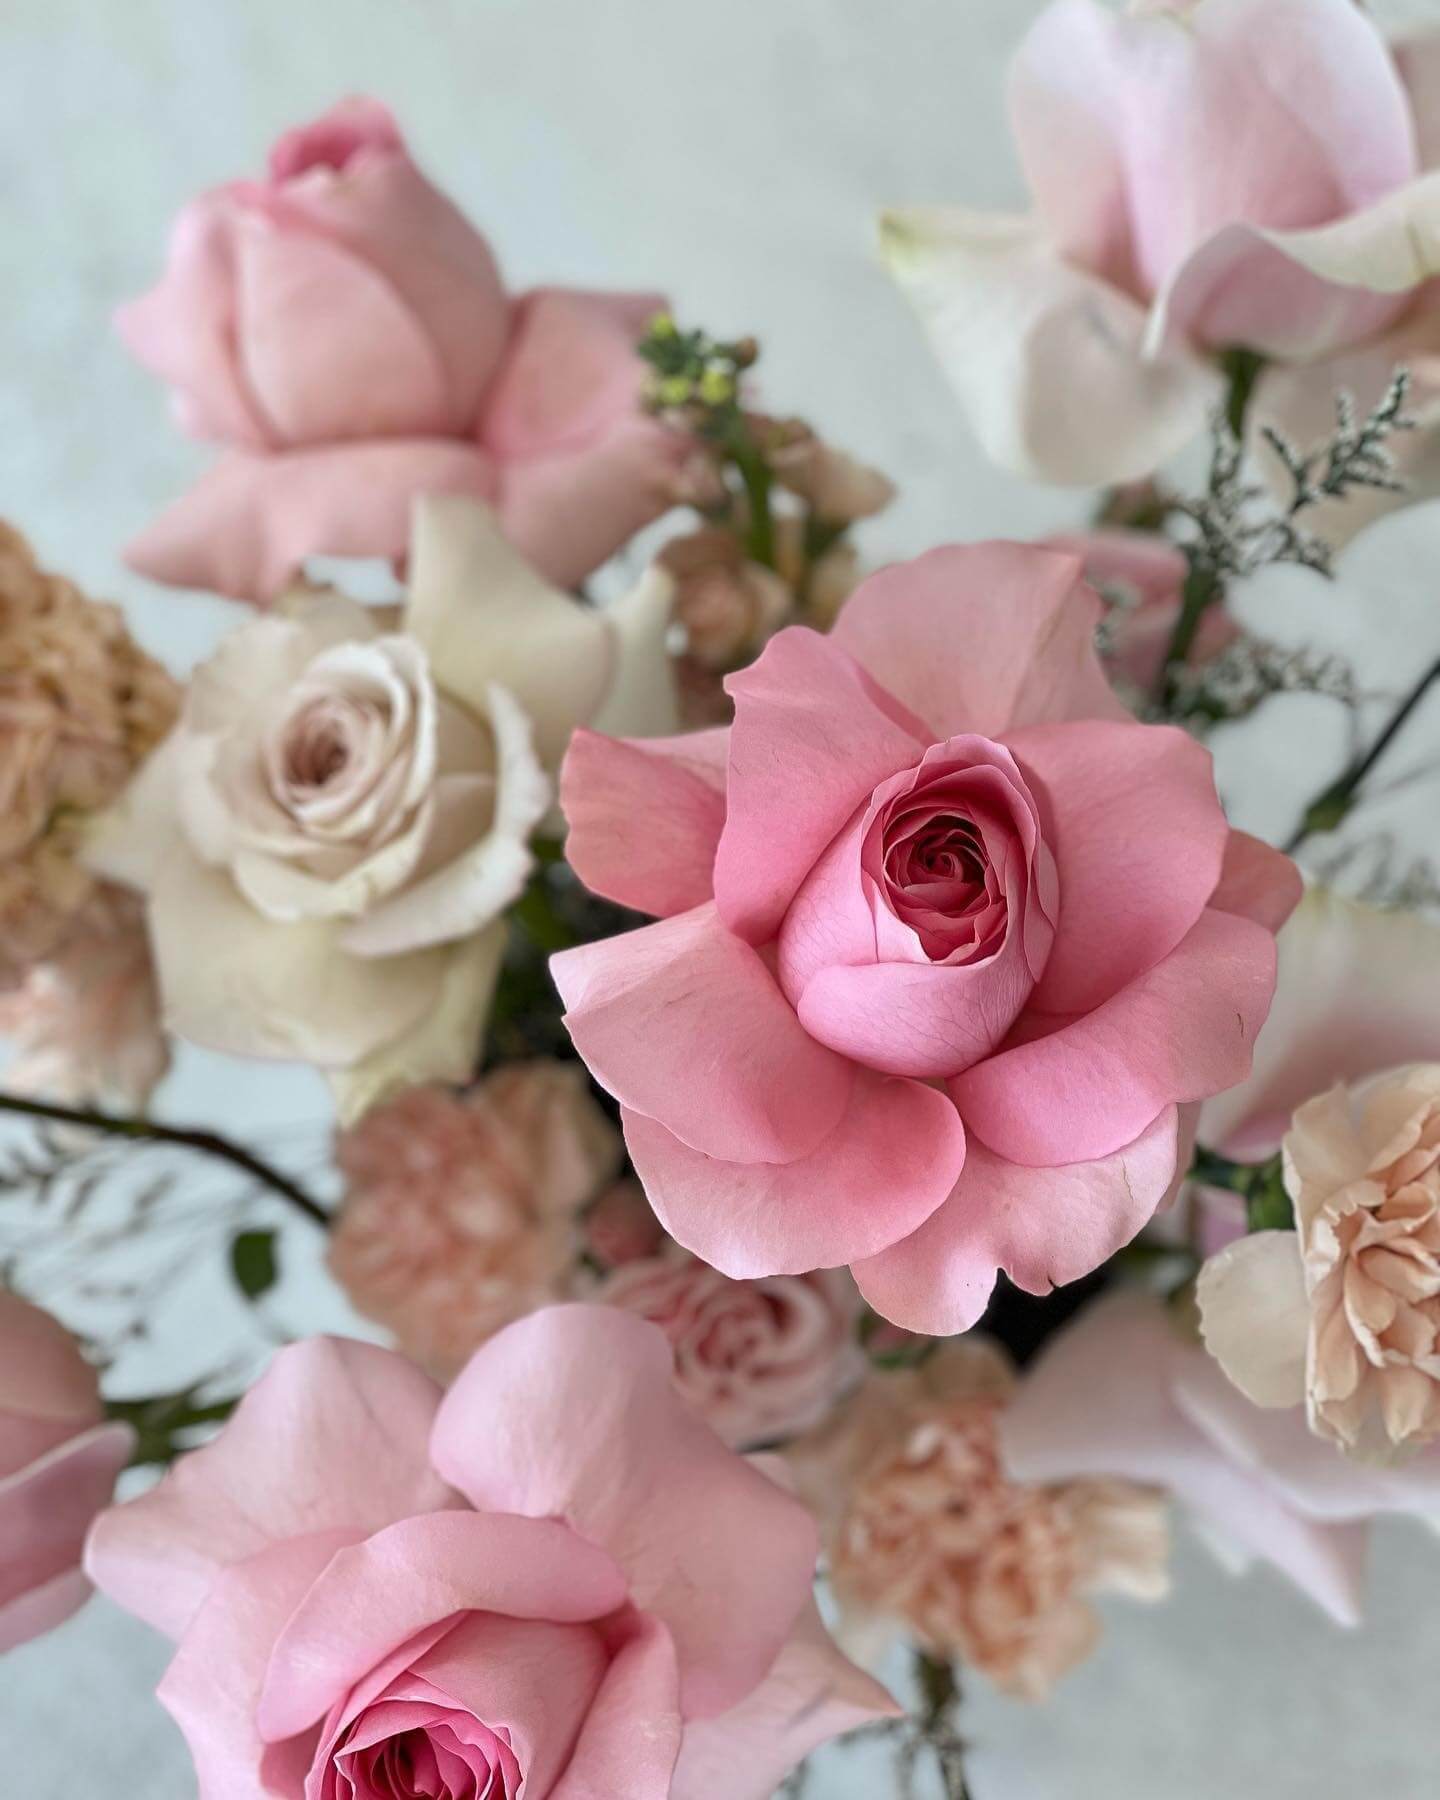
point(344, 332)
point(554, 1582)
point(946, 939)
point(758, 1360)
point(58, 1464)
point(1203, 175)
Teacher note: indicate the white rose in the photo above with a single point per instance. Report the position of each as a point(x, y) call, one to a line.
point(331, 834)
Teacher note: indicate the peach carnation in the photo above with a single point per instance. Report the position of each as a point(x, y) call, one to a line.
point(461, 1210)
point(929, 1534)
point(80, 707)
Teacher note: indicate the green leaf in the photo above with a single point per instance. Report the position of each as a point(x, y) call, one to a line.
point(253, 1263)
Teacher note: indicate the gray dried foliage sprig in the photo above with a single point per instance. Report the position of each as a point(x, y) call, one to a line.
point(1233, 683)
point(1379, 871)
point(1240, 530)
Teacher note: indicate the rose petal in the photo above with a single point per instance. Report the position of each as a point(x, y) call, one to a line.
point(331, 1437)
point(1181, 1031)
point(1050, 363)
point(632, 1733)
point(249, 523)
point(1255, 1316)
point(327, 346)
point(212, 1687)
point(376, 1595)
point(811, 1695)
point(487, 617)
point(683, 1022)
point(1042, 1227)
point(1135, 826)
point(982, 638)
point(573, 1414)
point(1257, 882)
point(812, 737)
point(1358, 991)
point(891, 1160)
point(645, 817)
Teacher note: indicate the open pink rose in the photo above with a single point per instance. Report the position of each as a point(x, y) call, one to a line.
point(1127, 1391)
point(946, 938)
point(58, 1463)
point(555, 1582)
point(1204, 174)
point(343, 330)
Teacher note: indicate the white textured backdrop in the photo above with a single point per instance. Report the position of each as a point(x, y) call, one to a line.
point(733, 154)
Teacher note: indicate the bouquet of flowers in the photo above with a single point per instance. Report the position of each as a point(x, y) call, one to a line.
point(836, 1133)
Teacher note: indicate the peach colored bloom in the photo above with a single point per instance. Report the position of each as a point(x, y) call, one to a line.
point(729, 607)
point(1343, 1313)
point(86, 1025)
point(836, 486)
point(929, 1534)
point(80, 707)
point(461, 1209)
point(758, 1360)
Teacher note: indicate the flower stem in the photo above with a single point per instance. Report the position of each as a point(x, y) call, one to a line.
point(1333, 804)
point(208, 1143)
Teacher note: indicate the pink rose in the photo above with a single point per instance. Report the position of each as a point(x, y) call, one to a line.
point(934, 888)
point(758, 1360)
point(58, 1463)
point(1143, 578)
point(1224, 172)
point(555, 1582)
point(1125, 1392)
point(343, 330)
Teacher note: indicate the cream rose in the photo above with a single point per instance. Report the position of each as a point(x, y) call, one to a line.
point(1343, 1313)
point(331, 834)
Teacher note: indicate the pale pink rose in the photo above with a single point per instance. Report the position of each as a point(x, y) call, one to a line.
point(81, 706)
point(928, 1534)
point(1357, 993)
point(1229, 172)
point(758, 1360)
point(461, 1210)
point(1142, 577)
point(1127, 1390)
point(1342, 1314)
point(58, 1464)
point(946, 940)
point(330, 837)
point(343, 330)
point(554, 1582)
point(620, 1227)
point(85, 1026)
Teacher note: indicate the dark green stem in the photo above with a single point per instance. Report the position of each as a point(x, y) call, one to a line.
point(157, 1421)
point(1203, 585)
point(208, 1143)
point(1332, 805)
point(755, 474)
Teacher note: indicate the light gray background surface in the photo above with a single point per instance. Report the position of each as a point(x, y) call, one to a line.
point(731, 153)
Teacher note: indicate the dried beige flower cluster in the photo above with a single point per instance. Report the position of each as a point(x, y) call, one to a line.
point(81, 705)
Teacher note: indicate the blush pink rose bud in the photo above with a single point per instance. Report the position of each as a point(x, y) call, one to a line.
point(344, 332)
point(929, 1535)
point(946, 942)
point(758, 1360)
point(461, 1210)
point(1203, 176)
point(58, 1464)
point(554, 1582)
